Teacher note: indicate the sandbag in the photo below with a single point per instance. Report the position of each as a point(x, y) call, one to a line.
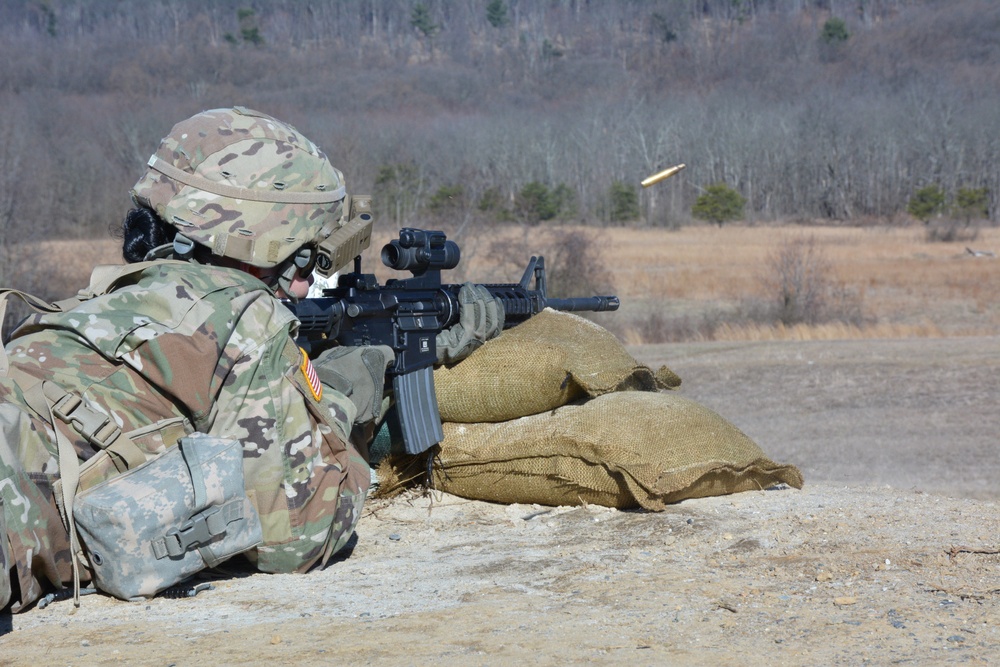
point(550, 360)
point(624, 450)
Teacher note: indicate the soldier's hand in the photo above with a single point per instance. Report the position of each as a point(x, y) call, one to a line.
point(480, 318)
point(359, 374)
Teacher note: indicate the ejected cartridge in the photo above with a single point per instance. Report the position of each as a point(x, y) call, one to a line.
point(663, 175)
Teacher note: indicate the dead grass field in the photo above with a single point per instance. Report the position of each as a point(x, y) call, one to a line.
point(908, 287)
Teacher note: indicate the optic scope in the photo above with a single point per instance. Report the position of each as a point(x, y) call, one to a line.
point(419, 251)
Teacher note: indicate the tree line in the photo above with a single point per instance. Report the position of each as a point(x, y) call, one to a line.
point(475, 111)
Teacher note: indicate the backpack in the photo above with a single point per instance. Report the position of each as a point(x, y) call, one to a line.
point(139, 526)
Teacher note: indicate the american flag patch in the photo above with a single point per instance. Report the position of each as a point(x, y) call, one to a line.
point(315, 386)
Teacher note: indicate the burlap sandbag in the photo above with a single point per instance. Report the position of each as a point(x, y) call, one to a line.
point(623, 450)
point(550, 360)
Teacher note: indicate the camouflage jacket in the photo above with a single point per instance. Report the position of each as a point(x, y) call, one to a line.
point(180, 347)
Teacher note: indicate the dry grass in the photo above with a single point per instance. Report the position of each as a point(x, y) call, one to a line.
point(827, 331)
point(909, 287)
point(709, 263)
point(698, 276)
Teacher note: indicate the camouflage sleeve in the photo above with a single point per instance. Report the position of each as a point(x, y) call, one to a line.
point(307, 483)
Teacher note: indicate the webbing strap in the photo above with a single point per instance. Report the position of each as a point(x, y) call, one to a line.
point(54, 403)
point(69, 480)
point(49, 399)
point(199, 530)
point(190, 455)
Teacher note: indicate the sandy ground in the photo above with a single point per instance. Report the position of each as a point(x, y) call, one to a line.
point(890, 554)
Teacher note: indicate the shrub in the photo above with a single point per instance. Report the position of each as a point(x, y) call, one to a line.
point(799, 288)
point(575, 265)
point(656, 327)
point(950, 231)
point(574, 262)
point(719, 203)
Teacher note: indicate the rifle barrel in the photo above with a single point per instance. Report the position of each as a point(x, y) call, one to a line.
point(585, 303)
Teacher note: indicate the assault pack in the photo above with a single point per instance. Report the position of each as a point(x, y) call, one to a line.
point(138, 522)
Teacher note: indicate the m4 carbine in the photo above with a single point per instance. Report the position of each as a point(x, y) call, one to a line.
point(408, 314)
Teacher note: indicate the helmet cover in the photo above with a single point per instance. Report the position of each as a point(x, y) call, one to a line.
point(245, 185)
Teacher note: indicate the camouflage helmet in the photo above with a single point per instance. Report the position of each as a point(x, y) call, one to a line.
point(243, 184)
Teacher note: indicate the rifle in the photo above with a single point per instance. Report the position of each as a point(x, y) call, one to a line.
point(407, 314)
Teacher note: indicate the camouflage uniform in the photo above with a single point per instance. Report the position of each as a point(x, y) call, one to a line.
point(165, 348)
point(4, 562)
point(173, 348)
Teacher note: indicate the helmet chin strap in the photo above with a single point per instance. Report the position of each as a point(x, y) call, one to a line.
point(159, 252)
point(182, 248)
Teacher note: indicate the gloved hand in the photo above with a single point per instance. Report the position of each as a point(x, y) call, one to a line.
point(359, 374)
point(480, 318)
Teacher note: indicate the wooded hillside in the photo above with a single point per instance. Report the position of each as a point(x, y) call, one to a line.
point(484, 110)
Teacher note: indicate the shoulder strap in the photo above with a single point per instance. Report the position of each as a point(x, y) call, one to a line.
point(69, 478)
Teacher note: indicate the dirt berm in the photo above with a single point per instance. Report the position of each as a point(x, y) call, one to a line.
point(890, 554)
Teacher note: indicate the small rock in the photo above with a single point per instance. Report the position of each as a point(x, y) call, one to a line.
point(845, 601)
point(958, 639)
point(824, 576)
point(275, 640)
point(395, 537)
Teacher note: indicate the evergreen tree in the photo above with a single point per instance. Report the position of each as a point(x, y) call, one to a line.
point(623, 202)
point(926, 202)
point(535, 203)
point(421, 20)
point(496, 13)
point(972, 203)
point(719, 203)
point(834, 31)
